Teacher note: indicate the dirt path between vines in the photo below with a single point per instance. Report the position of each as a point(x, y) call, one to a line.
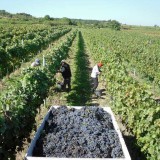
point(81, 64)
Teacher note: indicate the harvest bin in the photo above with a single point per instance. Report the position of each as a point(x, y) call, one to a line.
point(29, 156)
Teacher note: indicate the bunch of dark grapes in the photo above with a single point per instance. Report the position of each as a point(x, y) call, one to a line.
point(80, 133)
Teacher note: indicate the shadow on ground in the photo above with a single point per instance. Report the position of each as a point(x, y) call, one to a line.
point(133, 148)
point(81, 90)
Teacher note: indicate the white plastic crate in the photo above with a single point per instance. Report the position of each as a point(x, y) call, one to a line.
point(29, 156)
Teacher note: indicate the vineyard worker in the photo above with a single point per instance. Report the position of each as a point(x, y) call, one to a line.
point(35, 63)
point(66, 74)
point(94, 75)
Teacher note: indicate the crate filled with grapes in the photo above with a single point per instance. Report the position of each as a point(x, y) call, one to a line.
point(78, 132)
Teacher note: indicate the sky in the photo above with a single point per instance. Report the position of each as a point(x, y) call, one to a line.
point(131, 12)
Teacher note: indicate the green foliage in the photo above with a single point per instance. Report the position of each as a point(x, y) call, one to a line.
point(5, 14)
point(3, 61)
point(113, 24)
point(47, 17)
point(129, 98)
point(20, 43)
point(18, 102)
point(65, 21)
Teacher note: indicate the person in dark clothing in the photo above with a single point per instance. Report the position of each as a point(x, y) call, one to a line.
point(66, 74)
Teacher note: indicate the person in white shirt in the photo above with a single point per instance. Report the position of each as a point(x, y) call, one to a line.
point(94, 75)
point(35, 63)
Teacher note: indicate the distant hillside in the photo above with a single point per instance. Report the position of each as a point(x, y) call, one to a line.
point(4, 14)
point(27, 18)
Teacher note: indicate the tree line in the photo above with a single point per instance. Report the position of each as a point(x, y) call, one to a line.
point(23, 17)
